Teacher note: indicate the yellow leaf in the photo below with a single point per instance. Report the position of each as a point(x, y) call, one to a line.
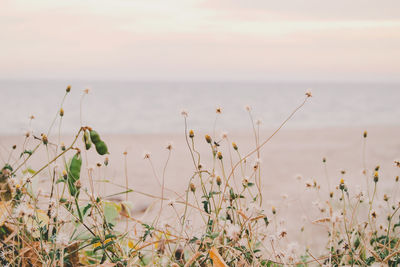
point(217, 259)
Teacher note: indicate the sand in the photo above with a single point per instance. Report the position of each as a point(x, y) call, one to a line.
point(289, 154)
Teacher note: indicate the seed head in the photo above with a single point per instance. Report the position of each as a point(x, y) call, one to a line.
point(64, 173)
point(218, 179)
point(397, 178)
point(184, 113)
point(273, 210)
point(385, 197)
point(341, 185)
point(44, 139)
point(208, 139)
point(376, 176)
point(63, 147)
point(218, 110)
point(146, 155)
point(308, 93)
point(14, 147)
point(68, 89)
point(106, 161)
point(191, 134)
point(234, 146)
point(169, 146)
point(192, 187)
point(365, 134)
point(397, 163)
point(219, 155)
point(61, 112)
point(86, 91)
point(78, 184)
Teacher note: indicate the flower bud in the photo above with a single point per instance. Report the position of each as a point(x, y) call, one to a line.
point(219, 182)
point(234, 146)
point(191, 134)
point(208, 138)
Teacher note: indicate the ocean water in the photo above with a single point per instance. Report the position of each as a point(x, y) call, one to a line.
point(138, 107)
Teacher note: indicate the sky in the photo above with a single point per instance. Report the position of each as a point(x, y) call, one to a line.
point(200, 40)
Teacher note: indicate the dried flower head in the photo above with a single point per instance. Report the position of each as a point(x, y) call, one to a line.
point(219, 155)
point(365, 134)
point(308, 93)
point(376, 176)
point(192, 187)
point(169, 146)
point(146, 155)
point(184, 113)
point(86, 91)
point(61, 112)
point(44, 139)
point(218, 110)
point(68, 89)
point(191, 133)
point(208, 139)
point(234, 145)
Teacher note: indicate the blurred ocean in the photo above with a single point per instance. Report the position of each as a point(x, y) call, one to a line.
point(135, 107)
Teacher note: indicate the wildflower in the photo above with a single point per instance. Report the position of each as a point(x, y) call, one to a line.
point(233, 232)
point(192, 187)
point(365, 134)
point(342, 185)
point(63, 146)
point(273, 210)
point(331, 194)
point(219, 155)
point(208, 139)
point(282, 232)
point(191, 134)
point(308, 93)
point(146, 155)
point(61, 112)
point(218, 110)
point(106, 161)
point(245, 182)
point(31, 117)
point(68, 89)
point(184, 113)
point(62, 239)
point(44, 139)
point(376, 176)
point(169, 146)
point(218, 179)
point(397, 178)
point(234, 146)
point(171, 202)
point(385, 197)
point(374, 214)
point(309, 183)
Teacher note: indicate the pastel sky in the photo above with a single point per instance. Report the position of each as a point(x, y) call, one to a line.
point(201, 40)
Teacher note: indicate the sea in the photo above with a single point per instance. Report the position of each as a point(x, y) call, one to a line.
point(116, 107)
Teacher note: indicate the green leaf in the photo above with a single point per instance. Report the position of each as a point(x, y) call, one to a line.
point(110, 212)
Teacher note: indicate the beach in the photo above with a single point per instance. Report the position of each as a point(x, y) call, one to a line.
point(289, 160)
